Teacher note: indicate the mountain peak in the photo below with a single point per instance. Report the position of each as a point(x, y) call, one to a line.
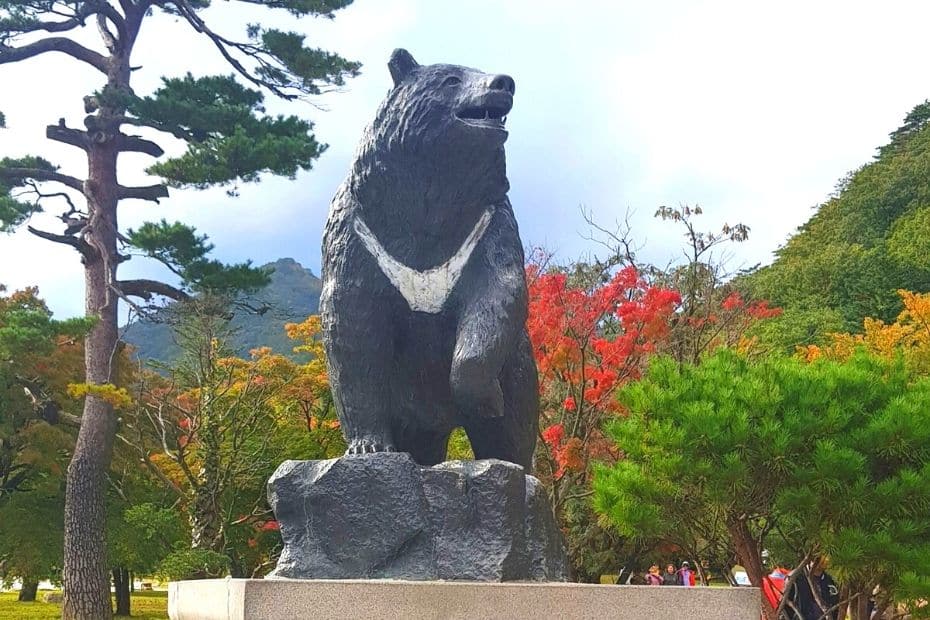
point(289, 265)
point(292, 295)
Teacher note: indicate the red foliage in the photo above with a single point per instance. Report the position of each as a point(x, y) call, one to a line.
point(553, 435)
point(587, 342)
point(755, 310)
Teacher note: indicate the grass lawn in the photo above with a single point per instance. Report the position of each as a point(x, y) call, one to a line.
point(145, 606)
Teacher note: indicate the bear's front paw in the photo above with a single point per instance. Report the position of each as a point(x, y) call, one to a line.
point(368, 446)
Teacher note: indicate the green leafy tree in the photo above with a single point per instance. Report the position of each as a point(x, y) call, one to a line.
point(230, 139)
point(823, 459)
point(865, 242)
point(34, 441)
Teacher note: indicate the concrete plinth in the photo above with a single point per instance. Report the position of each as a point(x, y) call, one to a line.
point(285, 599)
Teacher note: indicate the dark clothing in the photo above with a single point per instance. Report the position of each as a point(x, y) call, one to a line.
point(671, 579)
point(803, 597)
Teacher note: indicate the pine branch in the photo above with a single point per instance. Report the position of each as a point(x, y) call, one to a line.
point(147, 289)
point(42, 175)
point(54, 44)
point(76, 20)
point(221, 43)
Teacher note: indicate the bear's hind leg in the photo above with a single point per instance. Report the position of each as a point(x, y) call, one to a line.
point(359, 356)
point(427, 448)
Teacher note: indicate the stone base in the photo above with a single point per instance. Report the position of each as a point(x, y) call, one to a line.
point(382, 516)
point(286, 599)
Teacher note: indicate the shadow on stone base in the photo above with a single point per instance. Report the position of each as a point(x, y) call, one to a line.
point(286, 599)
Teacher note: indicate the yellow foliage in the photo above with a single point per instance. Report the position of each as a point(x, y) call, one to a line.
point(908, 336)
point(307, 334)
point(117, 397)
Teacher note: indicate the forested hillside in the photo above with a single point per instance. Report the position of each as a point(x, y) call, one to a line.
point(292, 295)
point(869, 239)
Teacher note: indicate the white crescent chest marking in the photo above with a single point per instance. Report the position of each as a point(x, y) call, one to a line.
point(425, 291)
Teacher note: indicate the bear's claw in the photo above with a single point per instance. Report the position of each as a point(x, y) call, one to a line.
point(368, 446)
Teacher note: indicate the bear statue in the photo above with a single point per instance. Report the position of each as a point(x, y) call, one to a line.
point(424, 299)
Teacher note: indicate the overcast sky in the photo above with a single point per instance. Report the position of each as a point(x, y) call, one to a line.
point(752, 110)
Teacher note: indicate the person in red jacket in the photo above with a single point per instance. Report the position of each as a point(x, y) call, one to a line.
point(773, 585)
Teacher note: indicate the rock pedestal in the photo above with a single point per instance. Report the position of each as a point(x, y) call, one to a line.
point(382, 516)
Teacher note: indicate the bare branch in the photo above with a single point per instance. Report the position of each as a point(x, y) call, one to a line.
point(72, 210)
point(146, 289)
point(150, 192)
point(109, 39)
point(80, 245)
point(67, 135)
point(138, 145)
point(54, 44)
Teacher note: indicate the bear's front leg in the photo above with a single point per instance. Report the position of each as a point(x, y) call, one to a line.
point(489, 323)
point(359, 354)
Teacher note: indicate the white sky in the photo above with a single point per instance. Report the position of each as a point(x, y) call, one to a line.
point(753, 110)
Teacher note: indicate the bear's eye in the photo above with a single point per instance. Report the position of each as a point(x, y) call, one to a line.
point(451, 81)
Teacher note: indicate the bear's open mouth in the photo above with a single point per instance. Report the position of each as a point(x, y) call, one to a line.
point(484, 115)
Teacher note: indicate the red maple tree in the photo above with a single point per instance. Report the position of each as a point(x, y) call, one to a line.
point(587, 341)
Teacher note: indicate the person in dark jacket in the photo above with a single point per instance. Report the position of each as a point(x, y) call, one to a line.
point(803, 596)
point(670, 576)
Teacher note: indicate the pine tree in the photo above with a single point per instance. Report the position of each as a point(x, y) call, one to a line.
point(230, 140)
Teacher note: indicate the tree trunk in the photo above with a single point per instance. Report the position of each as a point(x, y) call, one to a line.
point(843, 609)
point(86, 577)
point(751, 558)
point(206, 517)
point(121, 581)
point(29, 590)
point(859, 606)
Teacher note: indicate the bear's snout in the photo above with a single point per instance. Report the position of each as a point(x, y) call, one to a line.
point(503, 82)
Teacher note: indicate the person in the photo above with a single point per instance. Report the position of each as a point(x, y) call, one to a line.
point(670, 578)
point(803, 596)
point(773, 585)
point(653, 578)
point(686, 575)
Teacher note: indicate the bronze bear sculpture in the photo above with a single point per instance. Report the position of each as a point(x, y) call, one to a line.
point(424, 299)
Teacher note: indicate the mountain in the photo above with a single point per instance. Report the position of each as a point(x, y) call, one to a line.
point(292, 296)
point(869, 239)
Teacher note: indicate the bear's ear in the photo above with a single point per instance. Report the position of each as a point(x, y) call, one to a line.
point(401, 65)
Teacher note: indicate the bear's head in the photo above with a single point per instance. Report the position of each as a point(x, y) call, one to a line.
point(442, 121)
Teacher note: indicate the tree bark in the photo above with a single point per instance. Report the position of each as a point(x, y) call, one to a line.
point(86, 576)
point(121, 582)
point(206, 518)
point(751, 558)
point(85, 573)
point(29, 590)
